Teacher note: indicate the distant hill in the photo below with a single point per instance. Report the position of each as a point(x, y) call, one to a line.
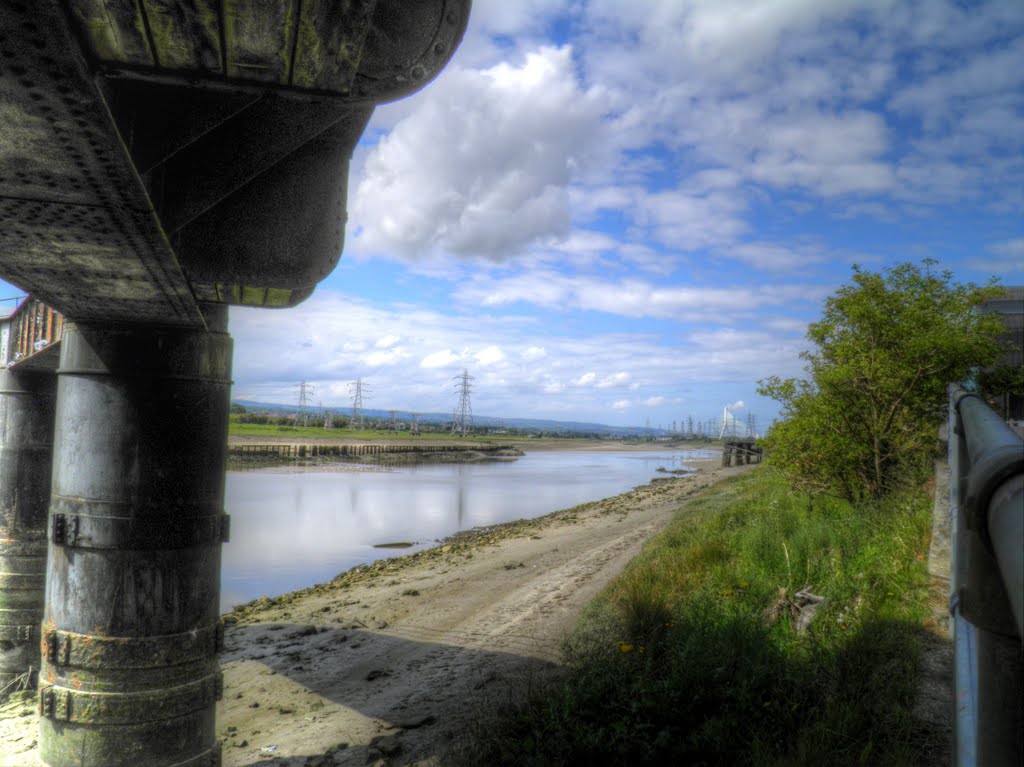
point(527, 424)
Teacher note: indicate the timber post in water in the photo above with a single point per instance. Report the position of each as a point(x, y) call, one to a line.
point(26, 453)
point(740, 453)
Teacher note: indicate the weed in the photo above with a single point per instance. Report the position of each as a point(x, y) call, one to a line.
point(674, 663)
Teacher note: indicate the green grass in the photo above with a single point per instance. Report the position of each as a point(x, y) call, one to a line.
point(305, 432)
point(677, 663)
point(316, 432)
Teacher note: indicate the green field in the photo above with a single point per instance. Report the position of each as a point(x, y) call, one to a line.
point(299, 433)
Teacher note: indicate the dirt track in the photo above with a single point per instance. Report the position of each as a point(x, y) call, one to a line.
point(390, 660)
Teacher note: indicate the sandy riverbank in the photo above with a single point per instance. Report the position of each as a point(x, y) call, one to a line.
point(389, 659)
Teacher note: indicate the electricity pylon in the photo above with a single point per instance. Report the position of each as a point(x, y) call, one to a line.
point(464, 410)
point(305, 394)
point(358, 388)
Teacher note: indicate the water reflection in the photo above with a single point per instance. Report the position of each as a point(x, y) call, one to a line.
point(291, 530)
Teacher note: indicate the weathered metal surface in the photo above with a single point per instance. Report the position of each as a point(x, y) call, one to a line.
point(259, 35)
point(26, 446)
point(329, 43)
point(115, 30)
point(185, 35)
point(285, 228)
point(130, 630)
point(365, 49)
point(407, 45)
point(63, 704)
point(155, 152)
point(79, 233)
point(237, 152)
point(987, 461)
point(109, 526)
point(100, 652)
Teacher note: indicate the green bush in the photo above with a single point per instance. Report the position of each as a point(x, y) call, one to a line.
point(863, 423)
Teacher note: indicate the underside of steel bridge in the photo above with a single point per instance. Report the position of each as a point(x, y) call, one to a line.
point(159, 161)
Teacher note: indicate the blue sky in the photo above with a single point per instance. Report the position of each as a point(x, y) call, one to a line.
point(627, 212)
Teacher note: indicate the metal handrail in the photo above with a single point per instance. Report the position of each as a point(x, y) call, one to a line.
point(987, 587)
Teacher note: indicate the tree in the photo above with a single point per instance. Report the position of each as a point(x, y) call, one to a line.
point(884, 350)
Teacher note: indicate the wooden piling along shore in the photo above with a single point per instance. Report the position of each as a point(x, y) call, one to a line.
point(740, 453)
point(346, 451)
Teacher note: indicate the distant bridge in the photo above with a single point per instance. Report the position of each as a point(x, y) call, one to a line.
point(30, 337)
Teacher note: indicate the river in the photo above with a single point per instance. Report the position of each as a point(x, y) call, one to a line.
point(292, 529)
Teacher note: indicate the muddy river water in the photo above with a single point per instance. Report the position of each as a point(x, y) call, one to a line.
point(291, 529)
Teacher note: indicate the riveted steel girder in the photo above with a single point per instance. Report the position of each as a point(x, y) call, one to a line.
point(158, 152)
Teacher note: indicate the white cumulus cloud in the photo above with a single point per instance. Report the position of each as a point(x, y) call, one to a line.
point(490, 355)
point(439, 359)
point(481, 168)
point(615, 379)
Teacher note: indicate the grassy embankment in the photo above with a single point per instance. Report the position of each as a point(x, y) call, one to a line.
point(692, 655)
point(274, 431)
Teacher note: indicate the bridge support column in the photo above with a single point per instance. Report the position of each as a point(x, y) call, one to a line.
point(26, 453)
point(131, 632)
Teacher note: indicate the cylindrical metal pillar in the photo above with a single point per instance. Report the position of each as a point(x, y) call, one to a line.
point(131, 629)
point(26, 453)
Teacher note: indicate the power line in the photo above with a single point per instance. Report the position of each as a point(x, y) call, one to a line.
point(464, 410)
point(394, 420)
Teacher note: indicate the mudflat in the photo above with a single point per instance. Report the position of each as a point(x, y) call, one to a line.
point(386, 663)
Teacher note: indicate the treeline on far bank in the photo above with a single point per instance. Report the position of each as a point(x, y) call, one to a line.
point(778, 619)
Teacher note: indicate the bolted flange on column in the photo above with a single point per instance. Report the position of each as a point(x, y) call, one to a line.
point(130, 632)
point(26, 452)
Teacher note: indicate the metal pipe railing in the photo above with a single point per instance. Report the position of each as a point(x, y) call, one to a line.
point(987, 586)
